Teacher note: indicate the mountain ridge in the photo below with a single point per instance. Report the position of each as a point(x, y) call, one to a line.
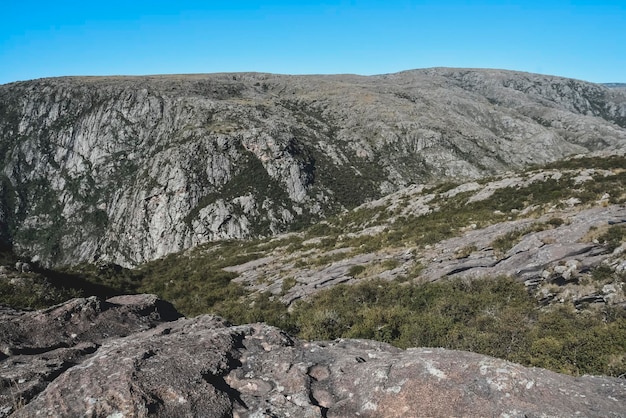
point(135, 168)
point(476, 210)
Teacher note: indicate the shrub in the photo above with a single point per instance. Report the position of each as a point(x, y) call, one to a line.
point(613, 237)
point(465, 251)
point(494, 316)
point(356, 270)
point(602, 273)
point(555, 222)
point(34, 293)
point(288, 283)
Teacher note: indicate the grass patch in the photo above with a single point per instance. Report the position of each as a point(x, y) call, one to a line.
point(288, 283)
point(390, 264)
point(495, 317)
point(465, 251)
point(613, 162)
point(613, 237)
point(505, 242)
point(356, 270)
point(602, 273)
point(33, 292)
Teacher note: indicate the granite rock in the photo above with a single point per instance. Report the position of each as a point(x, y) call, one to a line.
point(157, 365)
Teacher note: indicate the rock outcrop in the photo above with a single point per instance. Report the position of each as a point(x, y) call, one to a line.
point(552, 253)
point(130, 356)
point(128, 169)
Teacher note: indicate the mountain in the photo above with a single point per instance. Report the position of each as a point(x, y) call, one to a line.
point(529, 267)
point(478, 211)
point(129, 169)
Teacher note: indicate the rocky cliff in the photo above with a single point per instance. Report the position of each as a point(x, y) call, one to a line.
point(131, 356)
point(128, 169)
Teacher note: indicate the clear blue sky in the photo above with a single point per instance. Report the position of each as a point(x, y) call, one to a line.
point(579, 39)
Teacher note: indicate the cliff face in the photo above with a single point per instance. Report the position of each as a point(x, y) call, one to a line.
point(128, 169)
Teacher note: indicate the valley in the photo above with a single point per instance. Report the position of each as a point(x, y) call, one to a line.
point(476, 214)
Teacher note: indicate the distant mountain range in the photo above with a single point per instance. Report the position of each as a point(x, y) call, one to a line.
point(615, 85)
point(129, 169)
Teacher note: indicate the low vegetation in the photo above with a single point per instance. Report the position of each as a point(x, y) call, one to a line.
point(505, 242)
point(493, 316)
point(33, 292)
point(613, 237)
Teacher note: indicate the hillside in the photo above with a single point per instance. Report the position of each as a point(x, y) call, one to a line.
point(434, 242)
point(527, 266)
point(130, 169)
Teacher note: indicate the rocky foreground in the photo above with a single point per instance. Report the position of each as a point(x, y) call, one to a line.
point(134, 356)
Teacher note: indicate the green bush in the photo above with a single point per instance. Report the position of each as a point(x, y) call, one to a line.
point(555, 222)
point(602, 273)
point(613, 237)
point(356, 270)
point(495, 317)
point(288, 283)
point(35, 293)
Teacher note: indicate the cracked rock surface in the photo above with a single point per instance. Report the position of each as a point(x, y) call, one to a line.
point(535, 251)
point(130, 356)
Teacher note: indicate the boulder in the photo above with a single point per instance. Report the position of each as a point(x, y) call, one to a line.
point(132, 356)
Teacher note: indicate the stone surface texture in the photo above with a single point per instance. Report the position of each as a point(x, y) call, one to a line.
point(130, 356)
point(551, 262)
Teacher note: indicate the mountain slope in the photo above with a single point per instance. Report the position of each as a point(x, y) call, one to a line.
point(528, 266)
point(128, 169)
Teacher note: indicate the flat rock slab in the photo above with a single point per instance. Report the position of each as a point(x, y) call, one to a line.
point(205, 367)
point(534, 252)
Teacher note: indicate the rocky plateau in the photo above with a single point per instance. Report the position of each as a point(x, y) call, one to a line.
point(553, 247)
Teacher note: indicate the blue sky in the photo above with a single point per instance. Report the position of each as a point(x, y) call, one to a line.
point(579, 39)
